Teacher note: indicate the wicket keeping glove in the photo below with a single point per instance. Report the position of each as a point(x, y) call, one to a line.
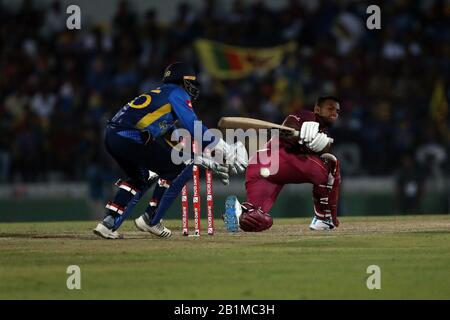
point(240, 159)
point(236, 155)
point(220, 170)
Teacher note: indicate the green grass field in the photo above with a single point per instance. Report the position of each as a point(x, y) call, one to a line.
point(286, 262)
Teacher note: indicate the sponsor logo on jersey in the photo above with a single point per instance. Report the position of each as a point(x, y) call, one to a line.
point(163, 125)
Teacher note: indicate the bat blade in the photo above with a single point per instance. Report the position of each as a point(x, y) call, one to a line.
point(250, 123)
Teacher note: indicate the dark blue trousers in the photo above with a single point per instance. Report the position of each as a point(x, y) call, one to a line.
point(136, 158)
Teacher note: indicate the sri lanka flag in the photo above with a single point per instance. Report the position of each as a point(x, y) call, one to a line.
point(230, 62)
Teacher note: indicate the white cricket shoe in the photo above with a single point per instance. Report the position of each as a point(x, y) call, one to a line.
point(158, 229)
point(102, 231)
point(321, 225)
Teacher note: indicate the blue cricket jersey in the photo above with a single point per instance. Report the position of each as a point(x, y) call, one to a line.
point(157, 111)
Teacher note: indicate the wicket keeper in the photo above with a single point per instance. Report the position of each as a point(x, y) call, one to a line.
point(303, 159)
point(138, 138)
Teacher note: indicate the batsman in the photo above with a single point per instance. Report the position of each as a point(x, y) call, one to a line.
point(302, 159)
point(139, 138)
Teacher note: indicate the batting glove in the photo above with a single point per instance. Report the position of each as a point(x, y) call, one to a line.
point(308, 131)
point(319, 142)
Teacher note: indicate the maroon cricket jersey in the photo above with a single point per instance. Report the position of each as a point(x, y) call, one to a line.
point(295, 164)
point(295, 121)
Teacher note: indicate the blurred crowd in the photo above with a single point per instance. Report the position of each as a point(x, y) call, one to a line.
point(59, 87)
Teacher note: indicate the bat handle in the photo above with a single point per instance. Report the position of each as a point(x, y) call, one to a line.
point(297, 134)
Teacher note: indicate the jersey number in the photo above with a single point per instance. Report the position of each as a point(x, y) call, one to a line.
point(143, 100)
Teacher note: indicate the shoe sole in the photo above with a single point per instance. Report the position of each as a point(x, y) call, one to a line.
point(101, 235)
point(139, 227)
point(143, 229)
point(320, 229)
point(229, 217)
point(313, 229)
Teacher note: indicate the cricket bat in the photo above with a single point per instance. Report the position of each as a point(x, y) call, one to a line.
point(250, 123)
